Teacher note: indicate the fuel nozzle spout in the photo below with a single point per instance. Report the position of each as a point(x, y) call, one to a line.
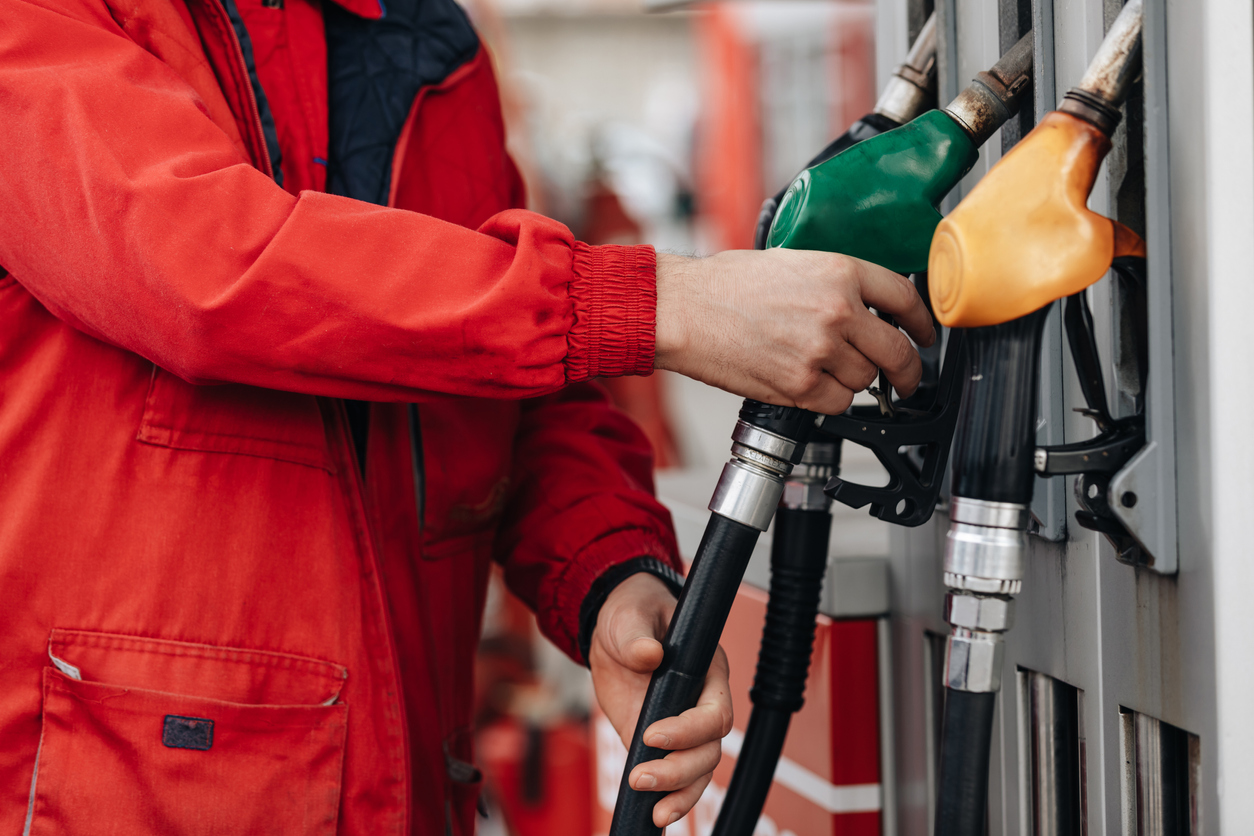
point(1106, 83)
point(913, 83)
point(1029, 216)
point(879, 200)
point(993, 96)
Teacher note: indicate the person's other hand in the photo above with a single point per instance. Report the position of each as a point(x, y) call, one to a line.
point(624, 652)
point(788, 327)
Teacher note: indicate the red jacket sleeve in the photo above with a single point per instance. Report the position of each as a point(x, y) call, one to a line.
point(134, 217)
point(582, 502)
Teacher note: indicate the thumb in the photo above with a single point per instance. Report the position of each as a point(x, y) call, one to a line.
point(633, 641)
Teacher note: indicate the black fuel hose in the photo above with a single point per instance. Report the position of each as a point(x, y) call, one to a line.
point(688, 650)
point(994, 447)
point(798, 562)
point(697, 623)
point(962, 790)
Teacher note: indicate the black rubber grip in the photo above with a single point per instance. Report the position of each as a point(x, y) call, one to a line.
point(995, 440)
point(962, 788)
point(688, 649)
point(789, 421)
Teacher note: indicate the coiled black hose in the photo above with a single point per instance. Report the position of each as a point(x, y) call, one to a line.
point(962, 791)
point(798, 562)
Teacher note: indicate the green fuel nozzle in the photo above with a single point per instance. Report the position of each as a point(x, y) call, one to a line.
point(879, 200)
point(910, 91)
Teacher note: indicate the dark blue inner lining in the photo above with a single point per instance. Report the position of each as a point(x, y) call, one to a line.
point(375, 69)
point(263, 105)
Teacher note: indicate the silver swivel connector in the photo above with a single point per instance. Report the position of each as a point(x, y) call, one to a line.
point(984, 559)
point(751, 484)
point(803, 489)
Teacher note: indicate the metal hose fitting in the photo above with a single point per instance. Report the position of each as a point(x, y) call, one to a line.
point(1110, 75)
point(914, 81)
point(803, 489)
point(984, 559)
point(752, 482)
point(993, 97)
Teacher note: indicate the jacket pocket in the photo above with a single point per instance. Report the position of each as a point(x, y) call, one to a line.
point(124, 755)
point(233, 418)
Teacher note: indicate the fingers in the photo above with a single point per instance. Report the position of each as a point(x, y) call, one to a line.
point(710, 719)
point(851, 367)
point(678, 769)
point(695, 736)
point(888, 349)
point(889, 292)
point(826, 395)
point(674, 806)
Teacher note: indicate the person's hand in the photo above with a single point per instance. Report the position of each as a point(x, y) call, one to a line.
point(624, 652)
point(788, 327)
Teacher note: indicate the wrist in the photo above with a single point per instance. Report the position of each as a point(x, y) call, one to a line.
point(610, 580)
point(675, 275)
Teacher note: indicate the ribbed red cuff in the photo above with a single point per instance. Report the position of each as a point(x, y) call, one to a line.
point(615, 294)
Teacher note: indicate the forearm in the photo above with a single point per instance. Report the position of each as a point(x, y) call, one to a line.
point(165, 241)
point(581, 503)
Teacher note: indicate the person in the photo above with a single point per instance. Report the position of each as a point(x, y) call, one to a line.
point(285, 366)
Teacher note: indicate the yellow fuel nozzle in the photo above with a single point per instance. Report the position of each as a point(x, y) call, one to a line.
point(1025, 236)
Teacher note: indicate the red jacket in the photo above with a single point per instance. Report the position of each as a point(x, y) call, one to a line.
point(211, 622)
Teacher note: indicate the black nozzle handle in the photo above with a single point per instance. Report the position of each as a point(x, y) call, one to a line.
point(962, 785)
point(995, 441)
point(688, 650)
point(910, 496)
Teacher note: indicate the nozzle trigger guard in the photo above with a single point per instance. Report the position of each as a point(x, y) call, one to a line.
point(925, 422)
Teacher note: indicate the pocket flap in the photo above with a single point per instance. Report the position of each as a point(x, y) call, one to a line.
point(233, 418)
point(250, 677)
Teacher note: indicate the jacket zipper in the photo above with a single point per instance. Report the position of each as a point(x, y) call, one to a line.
point(415, 456)
point(356, 485)
point(356, 493)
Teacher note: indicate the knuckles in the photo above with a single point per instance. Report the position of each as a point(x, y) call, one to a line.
point(839, 310)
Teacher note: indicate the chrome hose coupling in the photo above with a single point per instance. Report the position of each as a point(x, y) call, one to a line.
point(914, 81)
point(1111, 73)
point(984, 559)
point(752, 482)
point(993, 97)
point(803, 489)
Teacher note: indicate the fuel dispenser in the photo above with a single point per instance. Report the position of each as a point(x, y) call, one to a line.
point(915, 165)
point(1021, 240)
